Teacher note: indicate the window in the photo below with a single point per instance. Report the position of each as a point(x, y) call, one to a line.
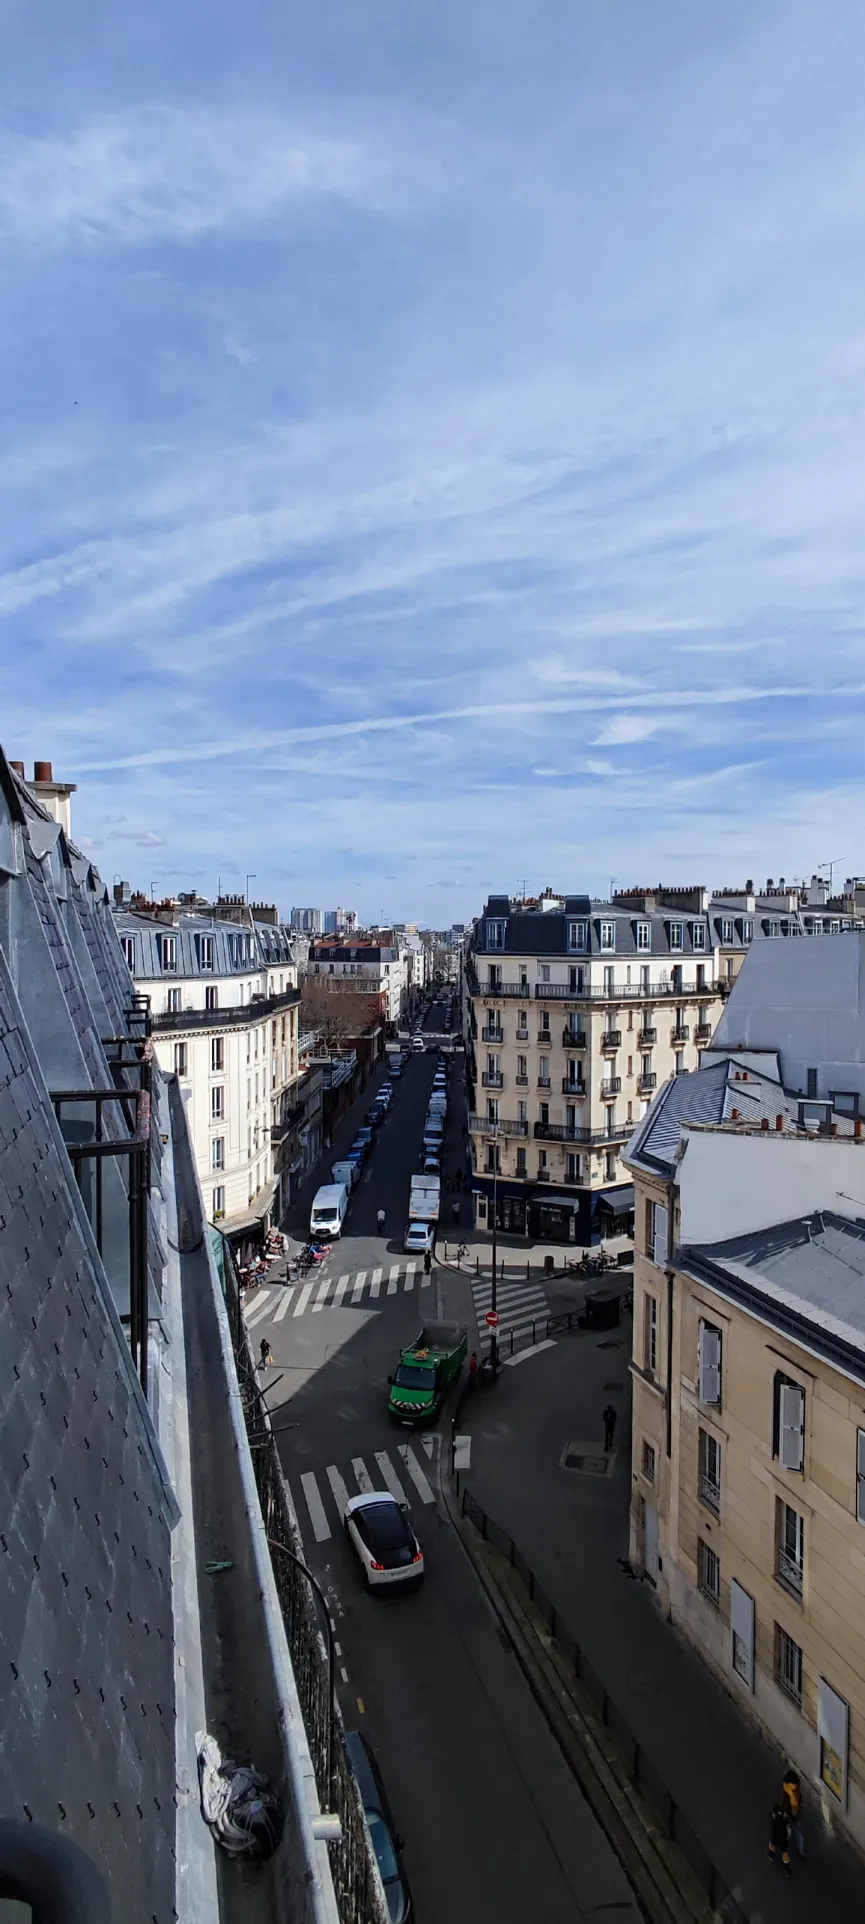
point(698, 935)
point(544, 1019)
point(522, 1068)
point(644, 935)
point(521, 1162)
point(675, 935)
point(492, 1109)
point(219, 1200)
point(742, 1633)
point(726, 930)
point(217, 1102)
point(657, 1232)
point(608, 935)
point(577, 935)
point(524, 979)
point(709, 1471)
point(609, 980)
point(650, 1334)
point(788, 1422)
point(543, 1070)
point(709, 1358)
point(772, 928)
point(679, 1062)
point(205, 952)
point(709, 1572)
point(522, 1112)
point(217, 1053)
point(860, 1476)
point(789, 1546)
point(544, 1113)
point(544, 972)
point(180, 1058)
point(747, 931)
point(572, 1165)
point(494, 1167)
point(172, 1001)
point(127, 943)
point(647, 1461)
point(496, 935)
point(542, 1161)
point(211, 996)
point(609, 1165)
point(217, 1153)
point(577, 981)
point(169, 952)
point(788, 1665)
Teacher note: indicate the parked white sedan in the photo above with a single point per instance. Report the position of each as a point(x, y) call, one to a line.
point(418, 1238)
point(380, 1533)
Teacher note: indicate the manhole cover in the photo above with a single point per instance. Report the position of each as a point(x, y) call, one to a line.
point(587, 1465)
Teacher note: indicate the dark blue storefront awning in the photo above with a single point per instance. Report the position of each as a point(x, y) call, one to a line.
point(619, 1201)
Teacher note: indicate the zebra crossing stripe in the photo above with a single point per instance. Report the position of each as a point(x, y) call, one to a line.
point(362, 1476)
point(393, 1279)
point(259, 1309)
point(375, 1283)
point(303, 1298)
point(322, 1295)
point(426, 1280)
point(359, 1281)
point(340, 1290)
point(390, 1476)
point(284, 1304)
point(409, 1275)
point(416, 1474)
point(320, 1525)
point(340, 1493)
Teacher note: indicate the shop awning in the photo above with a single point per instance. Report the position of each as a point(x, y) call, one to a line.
point(546, 1201)
point(252, 1218)
point(619, 1202)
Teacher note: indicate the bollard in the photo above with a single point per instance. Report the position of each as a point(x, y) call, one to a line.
point(477, 1265)
point(528, 1272)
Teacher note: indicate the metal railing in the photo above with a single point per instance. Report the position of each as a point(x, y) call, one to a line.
point(574, 1038)
point(544, 1082)
point(495, 991)
point(626, 991)
point(489, 1034)
point(710, 1492)
point(634, 1757)
point(680, 1034)
point(647, 1081)
point(611, 1086)
point(611, 1039)
point(563, 1132)
point(790, 1572)
point(576, 1089)
point(485, 1126)
point(646, 1038)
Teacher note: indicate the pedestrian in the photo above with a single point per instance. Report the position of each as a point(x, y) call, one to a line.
point(264, 1352)
point(427, 1262)
point(609, 1426)
point(779, 1838)
point(380, 1220)
point(791, 1800)
point(473, 1371)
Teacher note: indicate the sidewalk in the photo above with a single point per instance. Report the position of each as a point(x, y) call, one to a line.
point(295, 1222)
point(572, 1529)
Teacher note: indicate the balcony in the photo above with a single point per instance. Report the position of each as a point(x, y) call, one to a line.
point(710, 1493)
point(496, 991)
point(630, 991)
point(492, 1034)
point(522, 1082)
point(646, 1083)
point(493, 1079)
point(522, 1035)
point(567, 1132)
point(647, 1038)
point(789, 1572)
point(611, 1088)
point(543, 1082)
point(679, 1036)
point(482, 1126)
point(574, 1038)
point(611, 1039)
point(545, 1038)
point(703, 1034)
point(237, 1015)
point(576, 1090)
point(543, 1175)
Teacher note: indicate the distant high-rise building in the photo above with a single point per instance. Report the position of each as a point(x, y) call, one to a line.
point(330, 922)
point(307, 921)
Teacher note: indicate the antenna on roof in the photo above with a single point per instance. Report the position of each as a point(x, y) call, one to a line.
point(522, 890)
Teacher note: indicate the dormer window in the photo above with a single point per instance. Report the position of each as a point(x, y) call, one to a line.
point(698, 935)
point(127, 943)
point(675, 935)
point(747, 931)
point(608, 936)
point(726, 931)
point(169, 952)
point(496, 935)
point(644, 936)
point(205, 951)
point(578, 935)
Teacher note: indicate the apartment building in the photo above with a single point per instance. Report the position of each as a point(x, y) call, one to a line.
point(371, 965)
point(748, 1447)
point(576, 1011)
point(224, 1009)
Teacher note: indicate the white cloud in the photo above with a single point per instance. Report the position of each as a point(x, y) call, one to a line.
point(625, 728)
point(238, 352)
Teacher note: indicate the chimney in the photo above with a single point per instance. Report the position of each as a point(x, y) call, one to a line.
point(55, 796)
point(764, 1122)
point(43, 772)
point(857, 1128)
point(779, 1123)
point(734, 1115)
point(18, 768)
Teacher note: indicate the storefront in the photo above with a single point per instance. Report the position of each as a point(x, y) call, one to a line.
point(614, 1212)
point(533, 1213)
point(558, 1218)
point(510, 1205)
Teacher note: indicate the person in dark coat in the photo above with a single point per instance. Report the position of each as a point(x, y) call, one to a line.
point(779, 1838)
point(609, 1426)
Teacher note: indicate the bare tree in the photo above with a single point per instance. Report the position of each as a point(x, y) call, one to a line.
point(335, 1012)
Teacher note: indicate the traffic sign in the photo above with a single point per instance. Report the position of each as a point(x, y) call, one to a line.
point(492, 1318)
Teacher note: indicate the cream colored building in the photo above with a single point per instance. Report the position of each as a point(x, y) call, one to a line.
point(748, 1453)
point(224, 1004)
point(575, 1013)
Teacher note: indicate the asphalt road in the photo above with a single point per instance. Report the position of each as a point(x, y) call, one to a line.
point(495, 1828)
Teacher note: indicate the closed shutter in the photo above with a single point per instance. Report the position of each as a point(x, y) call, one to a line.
point(710, 1364)
point(662, 1234)
point(742, 1632)
point(792, 1426)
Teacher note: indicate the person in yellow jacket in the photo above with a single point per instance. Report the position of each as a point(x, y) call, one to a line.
point(791, 1799)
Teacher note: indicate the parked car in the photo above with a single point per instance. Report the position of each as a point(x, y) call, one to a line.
point(432, 1166)
point(418, 1044)
point(418, 1238)
point(386, 1841)
point(364, 1134)
point(381, 1535)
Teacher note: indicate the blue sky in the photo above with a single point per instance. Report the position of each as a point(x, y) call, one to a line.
point(432, 440)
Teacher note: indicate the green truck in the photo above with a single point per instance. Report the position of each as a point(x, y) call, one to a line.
point(426, 1371)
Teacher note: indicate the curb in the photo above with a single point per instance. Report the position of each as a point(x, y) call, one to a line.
point(661, 1880)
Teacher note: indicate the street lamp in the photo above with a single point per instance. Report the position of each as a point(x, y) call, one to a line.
point(251, 877)
point(494, 1345)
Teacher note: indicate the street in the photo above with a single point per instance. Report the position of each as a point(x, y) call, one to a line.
point(495, 1828)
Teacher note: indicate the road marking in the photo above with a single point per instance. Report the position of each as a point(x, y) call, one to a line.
point(462, 1452)
point(393, 1279)
point(360, 1706)
point(409, 1275)
point(259, 1309)
point(375, 1282)
point(340, 1493)
point(359, 1281)
point(533, 1350)
point(416, 1474)
point(303, 1298)
point(364, 1480)
point(337, 1649)
point(340, 1290)
point(343, 1675)
point(320, 1525)
point(283, 1306)
point(322, 1295)
point(390, 1476)
point(426, 1279)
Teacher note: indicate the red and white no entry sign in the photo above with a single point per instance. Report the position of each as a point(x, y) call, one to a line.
point(492, 1318)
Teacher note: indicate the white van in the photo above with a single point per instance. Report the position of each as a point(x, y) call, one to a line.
point(328, 1212)
point(346, 1173)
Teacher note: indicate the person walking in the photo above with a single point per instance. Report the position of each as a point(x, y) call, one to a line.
point(609, 1415)
point(427, 1262)
point(791, 1803)
point(779, 1838)
point(265, 1352)
point(473, 1371)
point(380, 1221)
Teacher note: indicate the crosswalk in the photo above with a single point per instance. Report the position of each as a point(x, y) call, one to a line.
point(275, 1302)
point(324, 1503)
point(522, 1308)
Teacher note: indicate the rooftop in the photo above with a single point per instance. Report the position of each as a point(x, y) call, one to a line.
point(806, 1275)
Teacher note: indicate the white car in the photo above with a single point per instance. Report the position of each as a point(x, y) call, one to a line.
point(417, 1043)
point(418, 1238)
point(380, 1533)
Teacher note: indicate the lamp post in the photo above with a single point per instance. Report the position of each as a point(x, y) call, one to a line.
point(494, 1345)
point(251, 877)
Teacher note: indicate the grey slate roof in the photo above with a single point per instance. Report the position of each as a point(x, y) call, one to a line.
point(809, 1274)
point(545, 932)
point(235, 947)
point(708, 1095)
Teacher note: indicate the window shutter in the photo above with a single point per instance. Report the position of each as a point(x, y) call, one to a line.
point(710, 1364)
point(742, 1631)
point(662, 1234)
point(792, 1426)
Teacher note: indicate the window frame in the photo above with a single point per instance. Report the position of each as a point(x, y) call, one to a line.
point(650, 1333)
point(710, 1364)
point(644, 938)
point(787, 1394)
point(648, 1461)
point(495, 935)
point(605, 930)
point(860, 1475)
point(217, 1102)
point(127, 943)
point(676, 937)
point(217, 1153)
point(708, 1563)
point(698, 936)
point(218, 1200)
point(181, 1058)
point(168, 954)
point(578, 936)
point(784, 1644)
